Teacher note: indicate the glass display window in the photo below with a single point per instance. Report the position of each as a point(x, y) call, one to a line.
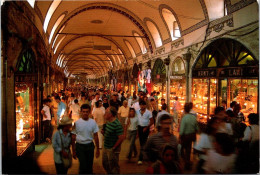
point(24, 117)
point(177, 89)
point(222, 75)
point(212, 95)
point(245, 92)
point(200, 97)
point(162, 89)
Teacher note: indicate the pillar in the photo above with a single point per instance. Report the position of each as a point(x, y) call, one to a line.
point(187, 57)
point(167, 62)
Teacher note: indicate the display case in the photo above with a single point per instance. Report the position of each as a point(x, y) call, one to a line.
point(200, 97)
point(159, 87)
point(177, 89)
point(245, 92)
point(24, 118)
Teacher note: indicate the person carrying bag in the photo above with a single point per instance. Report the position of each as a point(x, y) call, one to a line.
point(61, 143)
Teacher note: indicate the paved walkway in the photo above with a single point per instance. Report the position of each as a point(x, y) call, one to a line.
point(46, 162)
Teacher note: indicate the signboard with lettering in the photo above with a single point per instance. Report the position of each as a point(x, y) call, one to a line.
point(227, 72)
point(239, 72)
point(176, 77)
point(204, 73)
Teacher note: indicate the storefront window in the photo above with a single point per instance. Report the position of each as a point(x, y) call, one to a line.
point(245, 92)
point(177, 89)
point(222, 75)
point(200, 96)
point(213, 93)
point(177, 83)
point(24, 118)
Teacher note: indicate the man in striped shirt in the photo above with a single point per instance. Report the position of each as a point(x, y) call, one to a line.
point(113, 137)
point(155, 143)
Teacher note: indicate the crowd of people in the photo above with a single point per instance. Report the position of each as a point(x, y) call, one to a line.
point(92, 121)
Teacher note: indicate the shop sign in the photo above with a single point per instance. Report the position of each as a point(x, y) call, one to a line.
point(176, 77)
point(239, 72)
point(204, 73)
point(26, 78)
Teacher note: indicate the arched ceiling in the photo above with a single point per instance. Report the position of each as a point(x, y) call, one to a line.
point(95, 30)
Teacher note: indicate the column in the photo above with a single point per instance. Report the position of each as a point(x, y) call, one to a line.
point(167, 62)
point(187, 57)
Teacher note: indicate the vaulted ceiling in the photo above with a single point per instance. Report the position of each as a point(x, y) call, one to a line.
point(93, 37)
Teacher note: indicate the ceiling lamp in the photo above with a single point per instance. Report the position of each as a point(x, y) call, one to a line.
point(239, 85)
point(96, 21)
point(244, 85)
point(252, 86)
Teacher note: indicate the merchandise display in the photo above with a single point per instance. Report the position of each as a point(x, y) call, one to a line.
point(24, 118)
point(205, 97)
point(245, 92)
point(177, 89)
point(162, 89)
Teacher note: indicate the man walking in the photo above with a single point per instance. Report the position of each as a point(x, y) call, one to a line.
point(84, 130)
point(46, 121)
point(145, 120)
point(61, 108)
point(155, 143)
point(113, 137)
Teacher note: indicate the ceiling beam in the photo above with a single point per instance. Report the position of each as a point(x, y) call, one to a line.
point(85, 34)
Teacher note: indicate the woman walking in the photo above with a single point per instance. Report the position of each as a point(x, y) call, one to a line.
point(98, 115)
point(131, 128)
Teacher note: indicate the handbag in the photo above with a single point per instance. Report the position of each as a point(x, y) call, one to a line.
point(67, 161)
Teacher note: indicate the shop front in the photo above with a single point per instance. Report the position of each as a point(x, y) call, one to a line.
point(159, 79)
point(225, 71)
point(134, 78)
point(126, 81)
point(177, 83)
point(26, 100)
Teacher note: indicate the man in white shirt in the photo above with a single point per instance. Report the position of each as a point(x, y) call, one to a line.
point(75, 111)
point(93, 106)
point(123, 113)
point(163, 111)
point(136, 106)
point(46, 121)
point(145, 120)
point(84, 130)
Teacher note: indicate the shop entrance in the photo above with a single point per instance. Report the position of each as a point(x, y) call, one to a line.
point(26, 98)
point(225, 71)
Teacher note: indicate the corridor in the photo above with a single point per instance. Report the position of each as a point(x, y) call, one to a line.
point(197, 58)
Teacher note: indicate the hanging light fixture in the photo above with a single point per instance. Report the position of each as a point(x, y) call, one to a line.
point(252, 86)
point(239, 85)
